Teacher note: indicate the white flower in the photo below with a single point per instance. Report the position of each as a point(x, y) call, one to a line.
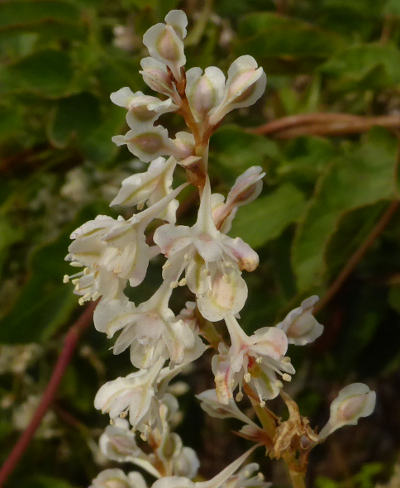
point(138, 396)
point(255, 360)
point(118, 442)
point(247, 477)
point(353, 402)
point(112, 252)
point(149, 188)
point(151, 330)
point(300, 325)
point(204, 91)
point(211, 259)
point(147, 142)
point(211, 405)
point(186, 463)
point(165, 41)
point(247, 187)
point(142, 109)
point(88, 249)
point(133, 394)
point(216, 482)
point(245, 84)
point(116, 478)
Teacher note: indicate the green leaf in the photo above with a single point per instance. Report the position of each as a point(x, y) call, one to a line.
point(49, 18)
point(305, 158)
point(75, 116)
point(233, 150)
point(392, 7)
point(269, 35)
point(342, 15)
point(362, 176)
point(267, 217)
point(9, 234)
point(44, 303)
point(19, 13)
point(47, 73)
point(372, 66)
point(98, 146)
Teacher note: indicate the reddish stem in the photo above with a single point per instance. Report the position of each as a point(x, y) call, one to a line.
point(70, 342)
point(324, 124)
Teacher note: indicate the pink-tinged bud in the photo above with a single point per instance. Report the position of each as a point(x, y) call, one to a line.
point(156, 76)
point(116, 478)
point(300, 325)
point(247, 186)
point(142, 108)
point(353, 402)
point(164, 42)
point(183, 145)
point(247, 258)
point(204, 91)
point(146, 145)
point(245, 85)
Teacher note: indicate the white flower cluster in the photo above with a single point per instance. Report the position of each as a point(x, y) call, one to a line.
point(115, 253)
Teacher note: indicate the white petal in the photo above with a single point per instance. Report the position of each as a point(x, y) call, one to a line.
point(122, 97)
point(211, 405)
point(166, 46)
point(228, 294)
point(300, 325)
point(155, 75)
point(269, 341)
point(178, 20)
point(113, 315)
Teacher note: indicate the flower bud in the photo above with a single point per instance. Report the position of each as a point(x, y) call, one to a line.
point(156, 76)
point(246, 256)
point(300, 325)
point(164, 41)
point(247, 187)
point(204, 91)
point(142, 109)
point(116, 478)
point(245, 85)
point(147, 144)
point(183, 145)
point(118, 442)
point(353, 402)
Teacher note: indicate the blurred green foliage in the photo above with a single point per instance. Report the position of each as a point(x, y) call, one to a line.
point(59, 61)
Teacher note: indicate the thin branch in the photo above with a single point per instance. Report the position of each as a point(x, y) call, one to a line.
point(70, 342)
point(358, 255)
point(324, 124)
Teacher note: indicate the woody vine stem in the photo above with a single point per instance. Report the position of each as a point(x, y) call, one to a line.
point(204, 259)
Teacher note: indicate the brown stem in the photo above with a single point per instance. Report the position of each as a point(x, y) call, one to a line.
point(70, 342)
point(358, 255)
point(297, 478)
point(324, 124)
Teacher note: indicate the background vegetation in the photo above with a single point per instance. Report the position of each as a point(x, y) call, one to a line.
point(329, 204)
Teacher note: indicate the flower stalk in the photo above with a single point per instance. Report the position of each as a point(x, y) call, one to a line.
point(162, 341)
